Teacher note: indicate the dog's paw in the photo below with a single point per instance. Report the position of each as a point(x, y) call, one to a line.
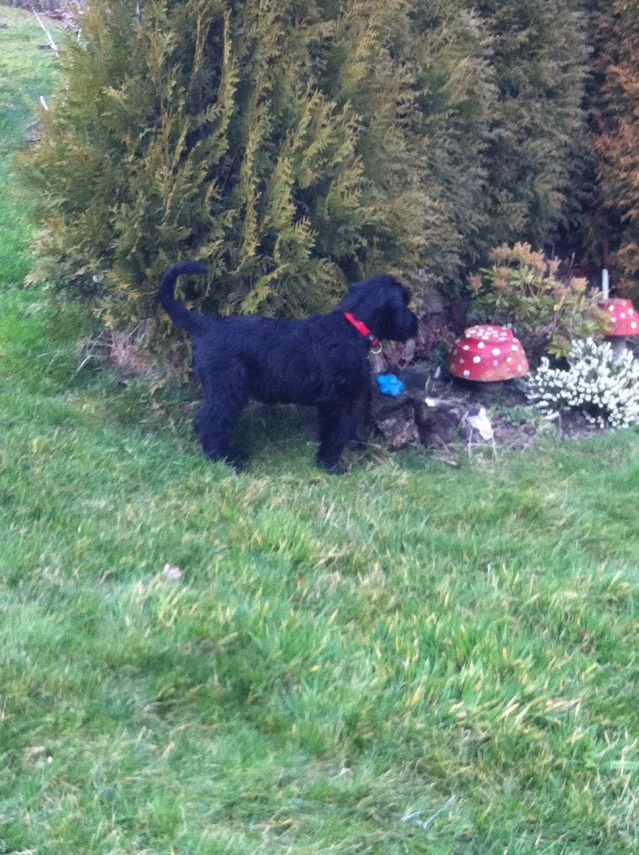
point(234, 460)
point(237, 461)
point(333, 468)
point(357, 444)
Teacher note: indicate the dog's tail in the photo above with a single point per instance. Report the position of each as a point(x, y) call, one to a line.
point(179, 314)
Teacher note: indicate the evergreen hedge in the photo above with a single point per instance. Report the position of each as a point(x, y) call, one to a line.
point(226, 131)
point(617, 139)
point(292, 145)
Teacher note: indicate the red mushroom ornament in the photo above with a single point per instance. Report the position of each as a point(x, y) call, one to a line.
point(488, 354)
point(624, 322)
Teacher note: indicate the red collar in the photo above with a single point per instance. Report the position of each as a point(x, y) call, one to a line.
point(362, 329)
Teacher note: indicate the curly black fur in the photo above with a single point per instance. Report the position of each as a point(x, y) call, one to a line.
point(320, 362)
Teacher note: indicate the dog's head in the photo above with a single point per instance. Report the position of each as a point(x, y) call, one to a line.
point(382, 304)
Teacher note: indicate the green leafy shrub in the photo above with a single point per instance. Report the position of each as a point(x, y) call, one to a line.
point(522, 290)
point(603, 386)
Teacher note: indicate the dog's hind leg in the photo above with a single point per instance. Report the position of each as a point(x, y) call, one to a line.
point(214, 429)
point(215, 423)
point(337, 427)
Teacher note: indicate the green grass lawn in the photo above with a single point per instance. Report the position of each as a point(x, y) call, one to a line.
point(411, 659)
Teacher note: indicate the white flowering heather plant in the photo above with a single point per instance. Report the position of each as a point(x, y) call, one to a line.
point(603, 386)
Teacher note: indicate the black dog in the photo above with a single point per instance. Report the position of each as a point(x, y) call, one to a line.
point(320, 362)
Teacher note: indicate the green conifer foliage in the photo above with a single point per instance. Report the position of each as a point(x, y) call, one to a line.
point(539, 58)
point(202, 129)
point(296, 144)
point(458, 100)
point(618, 141)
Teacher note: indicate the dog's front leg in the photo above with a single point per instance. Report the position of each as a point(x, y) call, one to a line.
point(337, 427)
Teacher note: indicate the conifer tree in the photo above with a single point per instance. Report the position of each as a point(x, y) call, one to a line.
point(208, 128)
point(296, 144)
point(617, 144)
point(585, 233)
point(451, 50)
point(533, 158)
point(419, 73)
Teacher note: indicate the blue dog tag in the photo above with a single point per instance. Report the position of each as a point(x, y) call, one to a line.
point(390, 385)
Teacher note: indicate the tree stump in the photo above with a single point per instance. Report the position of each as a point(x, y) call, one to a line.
point(416, 417)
